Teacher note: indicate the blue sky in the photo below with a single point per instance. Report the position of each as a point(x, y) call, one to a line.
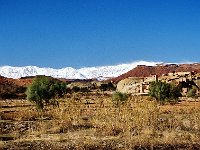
point(76, 33)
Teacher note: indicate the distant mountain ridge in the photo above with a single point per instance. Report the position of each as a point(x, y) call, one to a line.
point(101, 73)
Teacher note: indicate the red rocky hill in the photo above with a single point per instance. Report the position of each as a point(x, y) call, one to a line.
point(145, 71)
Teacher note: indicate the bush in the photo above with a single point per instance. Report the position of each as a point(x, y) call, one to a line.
point(163, 91)
point(119, 98)
point(43, 90)
point(192, 92)
point(8, 91)
point(103, 87)
point(111, 86)
point(107, 87)
point(175, 92)
point(84, 89)
point(76, 89)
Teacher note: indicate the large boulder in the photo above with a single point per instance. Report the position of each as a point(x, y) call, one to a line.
point(130, 85)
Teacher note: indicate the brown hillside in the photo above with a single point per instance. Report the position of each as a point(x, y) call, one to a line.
point(15, 88)
point(5, 81)
point(15, 82)
point(26, 81)
point(145, 71)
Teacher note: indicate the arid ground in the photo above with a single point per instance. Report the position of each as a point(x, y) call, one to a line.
point(92, 121)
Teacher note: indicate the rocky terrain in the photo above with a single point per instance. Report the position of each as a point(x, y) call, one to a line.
point(146, 71)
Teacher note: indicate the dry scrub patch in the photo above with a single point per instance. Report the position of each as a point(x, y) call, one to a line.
point(93, 122)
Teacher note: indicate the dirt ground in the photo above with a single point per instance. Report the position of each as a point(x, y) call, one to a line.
point(93, 122)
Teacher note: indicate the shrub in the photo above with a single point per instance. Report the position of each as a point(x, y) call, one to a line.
point(192, 92)
point(107, 87)
point(175, 92)
point(103, 87)
point(43, 89)
point(111, 86)
point(119, 98)
point(8, 91)
point(76, 89)
point(84, 89)
point(163, 91)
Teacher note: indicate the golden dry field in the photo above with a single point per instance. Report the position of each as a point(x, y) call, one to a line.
point(92, 121)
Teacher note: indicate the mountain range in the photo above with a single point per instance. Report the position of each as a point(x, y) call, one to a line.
point(100, 73)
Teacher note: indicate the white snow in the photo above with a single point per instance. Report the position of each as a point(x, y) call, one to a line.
point(100, 73)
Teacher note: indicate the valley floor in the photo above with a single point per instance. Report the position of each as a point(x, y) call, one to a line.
point(92, 121)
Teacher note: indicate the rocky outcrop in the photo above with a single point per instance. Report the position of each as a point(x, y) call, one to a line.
point(135, 85)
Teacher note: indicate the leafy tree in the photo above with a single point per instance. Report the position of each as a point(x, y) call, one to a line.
point(175, 92)
point(163, 91)
point(159, 90)
point(43, 90)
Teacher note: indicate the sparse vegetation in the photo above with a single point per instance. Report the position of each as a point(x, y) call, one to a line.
point(192, 92)
point(11, 91)
point(99, 119)
point(141, 122)
point(163, 91)
point(175, 92)
point(43, 90)
point(119, 98)
point(107, 87)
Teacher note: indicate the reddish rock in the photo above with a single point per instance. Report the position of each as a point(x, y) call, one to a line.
point(145, 71)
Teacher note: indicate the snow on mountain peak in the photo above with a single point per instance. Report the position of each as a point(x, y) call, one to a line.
point(101, 72)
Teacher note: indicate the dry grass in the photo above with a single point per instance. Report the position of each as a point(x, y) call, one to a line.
point(92, 121)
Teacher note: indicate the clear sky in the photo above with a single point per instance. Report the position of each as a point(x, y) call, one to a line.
point(76, 33)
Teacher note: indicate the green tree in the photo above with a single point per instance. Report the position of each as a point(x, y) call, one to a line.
point(175, 92)
point(163, 91)
point(44, 90)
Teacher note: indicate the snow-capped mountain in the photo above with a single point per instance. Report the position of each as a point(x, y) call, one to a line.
point(112, 71)
point(18, 72)
point(100, 73)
